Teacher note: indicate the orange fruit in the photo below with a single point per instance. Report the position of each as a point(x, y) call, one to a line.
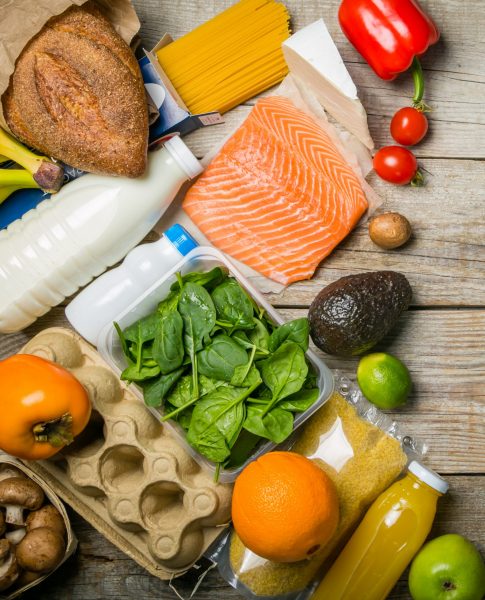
point(284, 508)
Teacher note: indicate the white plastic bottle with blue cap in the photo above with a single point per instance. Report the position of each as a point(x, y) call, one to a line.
point(111, 293)
point(90, 225)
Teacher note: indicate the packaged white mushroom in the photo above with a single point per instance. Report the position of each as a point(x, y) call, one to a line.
point(35, 533)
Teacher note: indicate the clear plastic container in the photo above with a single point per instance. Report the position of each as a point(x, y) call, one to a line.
point(202, 258)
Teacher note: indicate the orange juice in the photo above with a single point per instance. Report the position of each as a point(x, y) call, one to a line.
point(390, 534)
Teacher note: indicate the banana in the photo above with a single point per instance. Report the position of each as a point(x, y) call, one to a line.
point(46, 173)
point(3, 159)
point(12, 180)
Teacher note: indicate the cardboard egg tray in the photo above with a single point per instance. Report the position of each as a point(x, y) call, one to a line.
point(126, 474)
point(7, 461)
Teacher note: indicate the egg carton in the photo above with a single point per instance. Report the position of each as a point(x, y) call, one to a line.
point(126, 474)
point(7, 461)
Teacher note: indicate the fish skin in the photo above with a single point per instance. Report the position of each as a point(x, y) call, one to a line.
point(278, 196)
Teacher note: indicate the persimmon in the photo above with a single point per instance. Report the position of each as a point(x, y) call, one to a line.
point(42, 407)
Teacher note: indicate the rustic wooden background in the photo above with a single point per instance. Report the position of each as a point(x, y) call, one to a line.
point(440, 338)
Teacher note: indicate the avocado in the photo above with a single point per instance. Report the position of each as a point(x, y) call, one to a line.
point(352, 314)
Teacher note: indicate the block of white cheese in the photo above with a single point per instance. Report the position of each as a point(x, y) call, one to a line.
point(313, 57)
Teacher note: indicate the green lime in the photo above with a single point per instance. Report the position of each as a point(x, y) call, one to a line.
point(384, 380)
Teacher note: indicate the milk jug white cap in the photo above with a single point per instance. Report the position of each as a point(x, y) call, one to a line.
point(429, 477)
point(184, 156)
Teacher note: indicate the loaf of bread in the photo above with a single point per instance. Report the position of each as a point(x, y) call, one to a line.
point(77, 95)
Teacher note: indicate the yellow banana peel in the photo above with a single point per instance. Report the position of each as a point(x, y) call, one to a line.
point(48, 174)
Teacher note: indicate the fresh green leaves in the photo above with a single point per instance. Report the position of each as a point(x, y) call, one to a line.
point(297, 331)
point(168, 348)
point(285, 371)
point(220, 358)
point(211, 359)
point(155, 390)
point(276, 425)
point(234, 308)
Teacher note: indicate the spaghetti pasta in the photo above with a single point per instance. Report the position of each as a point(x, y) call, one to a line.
point(230, 58)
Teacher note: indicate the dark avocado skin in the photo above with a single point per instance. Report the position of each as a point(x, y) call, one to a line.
point(352, 314)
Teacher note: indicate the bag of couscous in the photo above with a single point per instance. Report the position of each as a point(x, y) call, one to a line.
point(362, 450)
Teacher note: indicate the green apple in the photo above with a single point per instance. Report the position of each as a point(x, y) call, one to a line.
point(447, 568)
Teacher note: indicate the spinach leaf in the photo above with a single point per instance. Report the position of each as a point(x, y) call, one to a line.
point(246, 375)
point(168, 347)
point(133, 373)
point(284, 372)
point(219, 359)
point(181, 397)
point(216, 422)
point(233, 305)
point(143, 330)
point(260, 337)
point(300, 401)
point(199, 316)
point(209, 280)
point(242, 449)
point(155, 391)
point(123, 342)
point(169, 304)
point(276, 425)
point(297, 331)
point(242, 339)
point(311, 378)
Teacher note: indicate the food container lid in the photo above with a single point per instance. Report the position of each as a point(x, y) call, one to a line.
point(429, 477)
point(184, 156)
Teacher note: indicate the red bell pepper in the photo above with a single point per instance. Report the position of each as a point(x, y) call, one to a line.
point(389, 34)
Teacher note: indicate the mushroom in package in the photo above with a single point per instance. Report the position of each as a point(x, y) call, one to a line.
point(35, 534)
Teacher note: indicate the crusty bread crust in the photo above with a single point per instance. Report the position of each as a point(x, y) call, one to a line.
point(77, 95)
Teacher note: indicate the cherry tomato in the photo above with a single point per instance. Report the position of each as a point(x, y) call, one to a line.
point(395, 164)
point(409, 126)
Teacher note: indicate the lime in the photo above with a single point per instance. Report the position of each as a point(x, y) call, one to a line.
point(384, 380)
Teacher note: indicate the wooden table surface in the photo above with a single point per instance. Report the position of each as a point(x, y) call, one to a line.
point(441, 336)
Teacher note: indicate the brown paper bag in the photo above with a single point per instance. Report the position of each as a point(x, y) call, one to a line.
point(21, 20)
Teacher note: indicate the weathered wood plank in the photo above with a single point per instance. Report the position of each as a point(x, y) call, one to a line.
point(99, 570)
point(455, 72)
point(444, 352)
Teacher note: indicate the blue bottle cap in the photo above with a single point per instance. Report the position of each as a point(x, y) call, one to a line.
point(181, 239)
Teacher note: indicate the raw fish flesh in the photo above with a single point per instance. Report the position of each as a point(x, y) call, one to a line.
point(278, 196)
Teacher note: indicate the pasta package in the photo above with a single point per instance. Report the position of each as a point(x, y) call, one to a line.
point(230, 58)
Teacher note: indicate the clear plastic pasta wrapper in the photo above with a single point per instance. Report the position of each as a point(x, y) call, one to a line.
point(363, 451)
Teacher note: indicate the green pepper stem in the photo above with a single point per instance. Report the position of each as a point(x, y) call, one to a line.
point(418, 78)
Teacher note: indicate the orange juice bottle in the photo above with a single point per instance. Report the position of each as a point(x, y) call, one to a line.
point(390, 534)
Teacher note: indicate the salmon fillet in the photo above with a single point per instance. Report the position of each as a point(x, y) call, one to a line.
point(278, 196)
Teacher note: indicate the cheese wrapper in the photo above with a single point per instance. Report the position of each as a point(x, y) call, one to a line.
point(23, 19)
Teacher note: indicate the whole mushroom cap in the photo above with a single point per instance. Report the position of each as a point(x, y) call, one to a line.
point(40, 551)
point(18, 493)
point(47, 516)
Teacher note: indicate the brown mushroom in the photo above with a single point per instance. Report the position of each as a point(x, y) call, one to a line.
point(26, 578)
point(47, 516)
point(2, 524)
point(9, 471)
point(389, 230)
point(15, 536)
point(18, 494)
point(9, 570)
point(40, 551)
